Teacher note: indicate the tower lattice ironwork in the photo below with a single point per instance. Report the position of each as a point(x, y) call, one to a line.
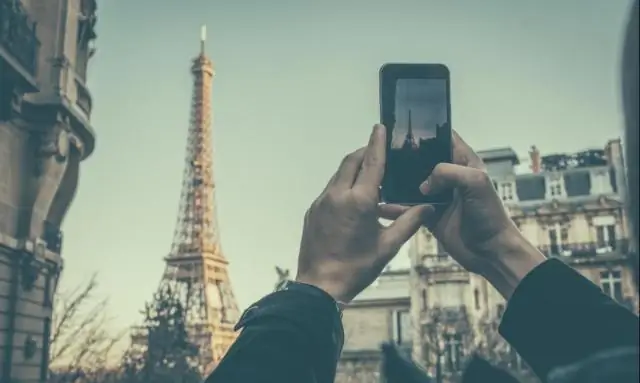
point(196, 268)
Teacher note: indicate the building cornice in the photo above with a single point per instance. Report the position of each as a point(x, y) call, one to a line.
point(384, 302)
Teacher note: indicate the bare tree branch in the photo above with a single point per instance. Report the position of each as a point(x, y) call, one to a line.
point(81, 340)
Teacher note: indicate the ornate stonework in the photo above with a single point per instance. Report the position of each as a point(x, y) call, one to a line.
point(42, 141)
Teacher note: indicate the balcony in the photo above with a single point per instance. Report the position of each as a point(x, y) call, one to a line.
point(577, 251)
point(19, 43)
point(52, 235)
point(439, 316)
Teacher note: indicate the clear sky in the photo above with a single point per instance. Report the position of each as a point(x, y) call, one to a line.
point(296, 89)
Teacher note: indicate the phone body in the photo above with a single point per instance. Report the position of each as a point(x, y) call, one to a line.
point(415, 108)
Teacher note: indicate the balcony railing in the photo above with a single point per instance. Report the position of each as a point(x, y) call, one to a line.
point(573, 250)
point(586, 249)
point(18, 35)
point(52, 235)
point(447, 315)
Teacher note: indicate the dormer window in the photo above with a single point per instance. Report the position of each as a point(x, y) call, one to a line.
point(506, 191)
point(555, 187)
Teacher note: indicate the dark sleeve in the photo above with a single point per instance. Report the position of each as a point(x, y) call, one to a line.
point(288, 336)
point(557, 317)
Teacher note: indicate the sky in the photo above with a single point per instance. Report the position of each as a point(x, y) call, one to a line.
point(296, 89)
point(427, 101)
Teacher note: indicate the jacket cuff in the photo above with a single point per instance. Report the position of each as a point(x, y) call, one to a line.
point(314, 315)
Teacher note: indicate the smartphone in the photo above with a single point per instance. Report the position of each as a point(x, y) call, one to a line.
point(415, 107)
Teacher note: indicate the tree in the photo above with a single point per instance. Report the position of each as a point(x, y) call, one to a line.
point(451, 337)
point(81, 342)
point(491, 346)
point(447, 337)
point(167, 355)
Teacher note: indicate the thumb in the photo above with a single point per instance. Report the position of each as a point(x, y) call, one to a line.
point(399, 232)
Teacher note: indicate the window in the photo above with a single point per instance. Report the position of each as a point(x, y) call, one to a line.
point(499, 310)
point(559, 240)
point(476, 298)
point(453, 352)
point(606, 238)
point(605, 233)
point(611, 284)
point(85, 35)
point(401, 326)
point(424, 298)
point(554, 188)
point(506, 191)
point(48, 290)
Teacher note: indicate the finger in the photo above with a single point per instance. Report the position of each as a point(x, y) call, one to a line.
point(372, 169)
point(399, 232)
point(391, 211)
point(329, 184)
point(463, 154)
point(449, 176)
point(348, 170)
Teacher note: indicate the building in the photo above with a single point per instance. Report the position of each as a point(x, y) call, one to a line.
point(381, 313)
point(571, 206)
point(45, 132)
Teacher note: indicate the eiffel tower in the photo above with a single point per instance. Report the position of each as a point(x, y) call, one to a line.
point(196, 268)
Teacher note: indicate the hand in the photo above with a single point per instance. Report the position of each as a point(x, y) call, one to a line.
point(344, 247)
point(475, 228)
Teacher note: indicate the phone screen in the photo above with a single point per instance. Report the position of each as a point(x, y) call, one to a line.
point(416, 112)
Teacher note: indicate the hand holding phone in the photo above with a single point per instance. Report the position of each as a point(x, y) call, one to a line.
point(415, 108)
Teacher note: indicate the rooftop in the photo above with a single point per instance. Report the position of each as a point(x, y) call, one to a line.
point(391, 284)
point(499, 154)
point(584, 175)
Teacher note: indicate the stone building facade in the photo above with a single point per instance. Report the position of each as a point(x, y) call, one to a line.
point(571, 206)
point(45, 132)
point(381, 313)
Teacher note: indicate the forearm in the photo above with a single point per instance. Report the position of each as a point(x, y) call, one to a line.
point(517, 259)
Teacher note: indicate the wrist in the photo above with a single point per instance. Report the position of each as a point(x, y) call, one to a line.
point(512, 260)
point(329, 288)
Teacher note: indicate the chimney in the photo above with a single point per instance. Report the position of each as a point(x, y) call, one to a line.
point(536, 160)
point(613, 151)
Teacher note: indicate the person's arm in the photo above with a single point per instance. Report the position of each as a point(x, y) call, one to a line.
point(288, 336)
point(556, 317)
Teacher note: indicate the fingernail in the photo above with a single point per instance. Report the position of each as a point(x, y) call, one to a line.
point(424, 187)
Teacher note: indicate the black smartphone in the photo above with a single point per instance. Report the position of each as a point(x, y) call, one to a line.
point(415, 107)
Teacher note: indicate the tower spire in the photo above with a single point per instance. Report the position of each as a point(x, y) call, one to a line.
point(203, 38)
